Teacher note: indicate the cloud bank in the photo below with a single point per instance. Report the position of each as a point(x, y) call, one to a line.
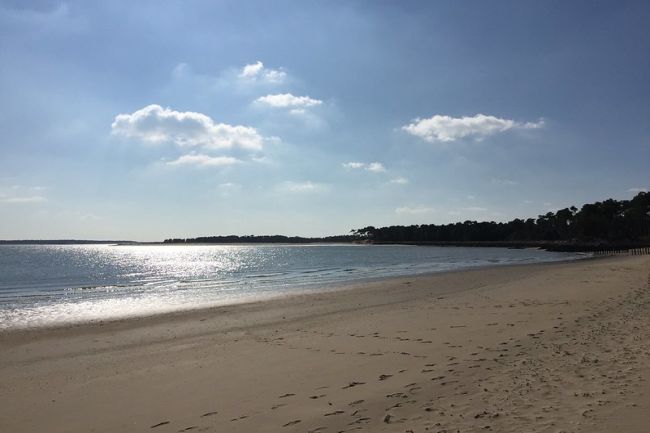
point(155, 124)
point(441, 128)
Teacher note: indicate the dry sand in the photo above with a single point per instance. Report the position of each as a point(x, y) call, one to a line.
point(542, 348)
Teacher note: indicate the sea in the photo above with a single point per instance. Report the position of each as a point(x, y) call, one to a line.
point(52, 285)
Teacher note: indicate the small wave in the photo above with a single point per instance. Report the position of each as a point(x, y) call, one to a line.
point(269, 275)
point(314, 271)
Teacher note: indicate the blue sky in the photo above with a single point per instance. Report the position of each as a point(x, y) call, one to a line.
point(145, 120)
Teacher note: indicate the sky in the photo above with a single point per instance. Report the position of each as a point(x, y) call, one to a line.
point(155, 119)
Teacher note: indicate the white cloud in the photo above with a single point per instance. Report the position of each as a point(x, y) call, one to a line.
point(287, 100)
point(155, 124)
point(637, 190)
point(474, 209)
point(417, 210)
point(446, 128)
point(204, 161)
point(257, 72)
point(375, 167)
point(274, 76)
point(252, 70)
point(399, 181)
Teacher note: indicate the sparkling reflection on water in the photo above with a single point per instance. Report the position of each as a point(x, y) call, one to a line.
point(49, 284)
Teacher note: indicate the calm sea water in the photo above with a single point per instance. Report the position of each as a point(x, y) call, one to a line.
point(48, 285)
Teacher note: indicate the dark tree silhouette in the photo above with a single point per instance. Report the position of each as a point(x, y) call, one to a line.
point(610, 222)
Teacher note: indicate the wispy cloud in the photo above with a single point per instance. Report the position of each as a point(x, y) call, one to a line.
point(23, 199)
point(226, 189)
point(505, 182)
point(442, 128)
point(375, 167)
point(301, 187)
point(287, 100)
point(155, 124)
point(399, 181)
point(637, 190)
point(204, 160)
point(31, 17)
point(21, 194)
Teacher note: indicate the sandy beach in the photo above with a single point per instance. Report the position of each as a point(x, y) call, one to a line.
point(561, 347)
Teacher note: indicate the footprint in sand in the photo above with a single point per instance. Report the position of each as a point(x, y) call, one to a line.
point(353, 384)
point(287, 395)
point(295, 421)
point(336, 412)
point(360, 421)
point(159, 424)
point(209, 414)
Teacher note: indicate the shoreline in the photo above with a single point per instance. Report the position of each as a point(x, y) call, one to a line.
point(259, 301)
point(560, 346)
point(594, 246)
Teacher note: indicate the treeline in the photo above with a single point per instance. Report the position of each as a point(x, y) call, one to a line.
point(608, 222)
point(264, 239)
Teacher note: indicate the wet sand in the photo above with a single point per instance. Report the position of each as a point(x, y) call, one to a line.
point(561, 347)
